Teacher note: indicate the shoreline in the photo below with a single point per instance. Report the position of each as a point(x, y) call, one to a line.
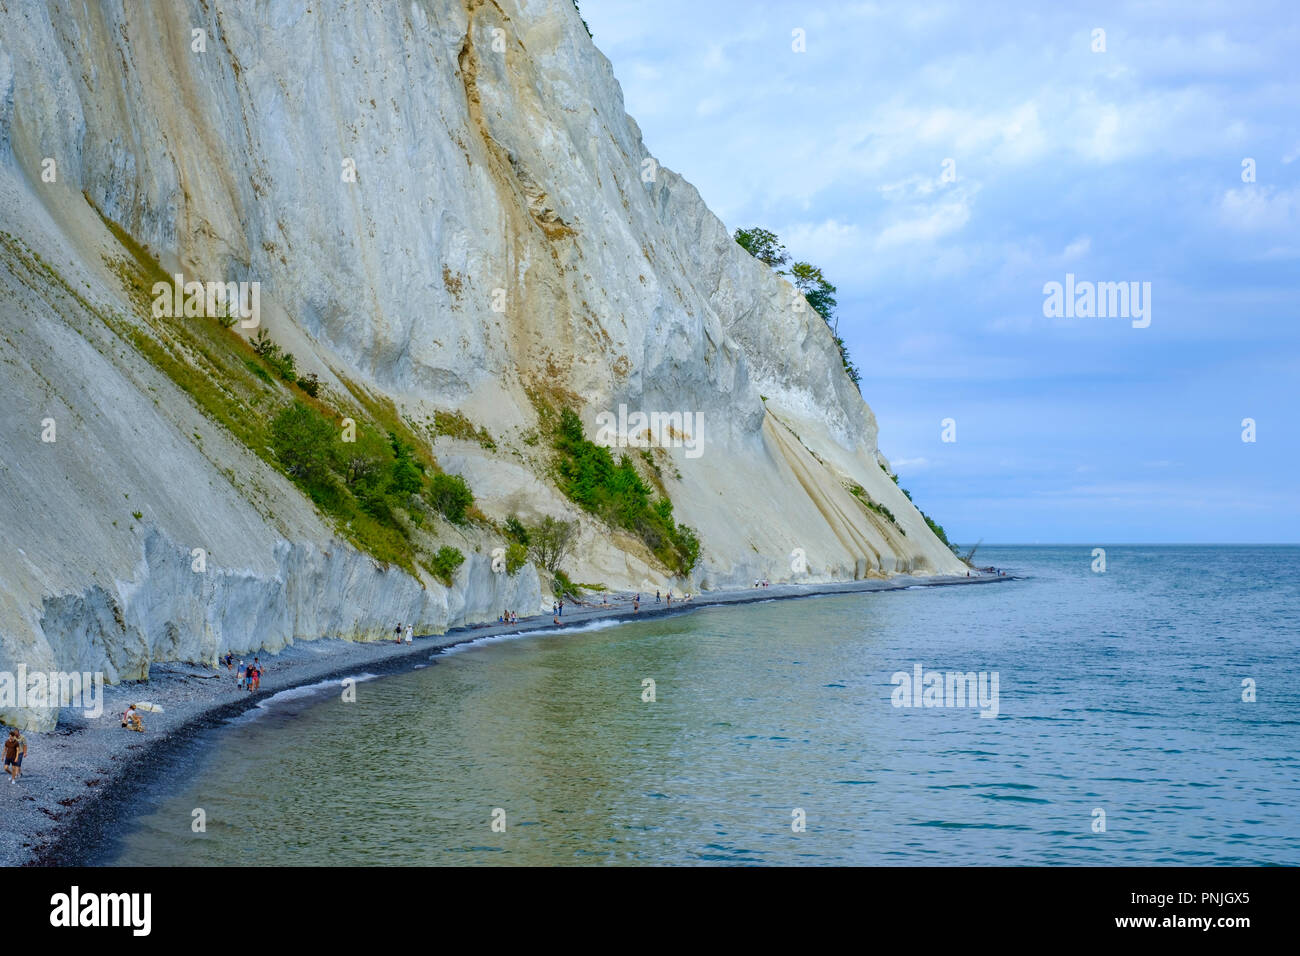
point(78, 775)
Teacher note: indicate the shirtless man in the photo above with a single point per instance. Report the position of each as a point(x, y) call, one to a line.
point(11, 753)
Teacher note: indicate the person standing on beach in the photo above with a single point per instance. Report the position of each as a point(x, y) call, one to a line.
point(410, 633)
point(11, 751)
point(397, 633)
point(257, 674)
point(241, 675)
point(656, 597)
point(22, 752)
point(561, 614)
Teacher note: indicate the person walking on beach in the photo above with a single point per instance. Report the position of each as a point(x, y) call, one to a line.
point(241, 675)
point(397, 633)
point(257, 674)
point(561, 614)
point(410, 633)
point(656, 597)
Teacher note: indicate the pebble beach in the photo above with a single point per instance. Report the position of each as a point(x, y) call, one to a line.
point(76, 777)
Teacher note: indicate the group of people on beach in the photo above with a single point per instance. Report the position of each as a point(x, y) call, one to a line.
point(508, 617)
point(761, 582)
point(249, 676)
point(397, 633)
point(15, 751)
point(660, 597)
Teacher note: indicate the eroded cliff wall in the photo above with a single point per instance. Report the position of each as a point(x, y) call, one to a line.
point(506, 234)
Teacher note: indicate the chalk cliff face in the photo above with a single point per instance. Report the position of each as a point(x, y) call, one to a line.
point(444, 204)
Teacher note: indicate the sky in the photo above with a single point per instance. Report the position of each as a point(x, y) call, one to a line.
point(944, 162)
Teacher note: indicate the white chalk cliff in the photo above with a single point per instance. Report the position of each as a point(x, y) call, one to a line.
point(495, 166)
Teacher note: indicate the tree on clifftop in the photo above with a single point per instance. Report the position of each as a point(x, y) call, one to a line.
point(817, 291)
point(763, 246)
point(808, 279)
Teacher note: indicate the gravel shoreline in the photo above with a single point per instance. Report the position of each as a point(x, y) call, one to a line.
point(77, 776)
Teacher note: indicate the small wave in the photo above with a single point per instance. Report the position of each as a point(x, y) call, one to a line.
point(296, 693)
point(598, 625)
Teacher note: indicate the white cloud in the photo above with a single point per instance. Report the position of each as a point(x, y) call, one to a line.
point(1257, 208)
point(1077, 249)
point(928, 226)
point(710, 106)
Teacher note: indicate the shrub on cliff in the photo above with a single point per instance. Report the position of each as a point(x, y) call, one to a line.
point(450, 497)
point(405, 475)
point(284, 364)
point(364, 463)
point(303, 440)
point(445, 562)
point(552, 542)
point(516, 531)
point(310, 384)
point(516, 557)
point(588, 474)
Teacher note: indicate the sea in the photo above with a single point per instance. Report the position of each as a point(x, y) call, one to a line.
point(1141, 712)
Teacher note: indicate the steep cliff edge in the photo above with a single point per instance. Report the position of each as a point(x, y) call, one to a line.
point(447, 209)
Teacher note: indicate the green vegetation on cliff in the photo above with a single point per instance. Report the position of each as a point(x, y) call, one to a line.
point(352, 454)
point(614, 491)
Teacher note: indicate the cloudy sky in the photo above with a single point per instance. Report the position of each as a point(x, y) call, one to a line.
point(1115, 165)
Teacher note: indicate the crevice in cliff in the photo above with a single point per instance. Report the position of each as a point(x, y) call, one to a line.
point(508, 168)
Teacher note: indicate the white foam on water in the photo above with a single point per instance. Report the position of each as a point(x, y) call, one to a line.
point(296, 693)
point(599, 625)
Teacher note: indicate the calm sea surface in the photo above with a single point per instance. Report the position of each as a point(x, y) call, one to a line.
point(1118, 693)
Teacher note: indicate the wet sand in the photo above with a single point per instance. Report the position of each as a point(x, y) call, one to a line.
point(78, 777)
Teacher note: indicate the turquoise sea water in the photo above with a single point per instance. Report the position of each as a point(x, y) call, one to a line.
point(1118, 692)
